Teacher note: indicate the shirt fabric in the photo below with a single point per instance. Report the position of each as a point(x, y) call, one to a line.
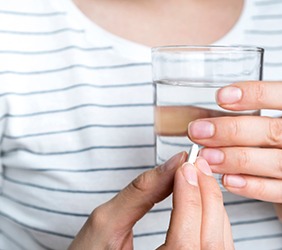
point(76, 123)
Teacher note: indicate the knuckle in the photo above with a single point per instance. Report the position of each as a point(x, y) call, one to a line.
point(234, 127)
point(141, 183)
point(259, 92)
point(243, 159)
point(98, 218)
point(140, 189)
point(262, 191)
point(107, 232)
point(274, 134)
point(260, 188)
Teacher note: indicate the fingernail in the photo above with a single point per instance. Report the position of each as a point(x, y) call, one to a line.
point(173, 162)
point(213, 156)
point(190, 174)
point(228, 95)
point(204, 167)
point(235, 181)
point(201, 129)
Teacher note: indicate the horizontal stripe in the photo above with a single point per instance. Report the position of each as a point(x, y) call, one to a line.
point(269, 64)
point(126, 168)
point(269, 2)
point(75, 86)
point(61, 190)
point(76, 66)
point(68, 213)
point(18, 13)
point(272, 48)
point(237, 223)
point(232, 203)
point(40, 33)
point(11, 137)
point(44, 209)
point(261, 237)
point(76, 108)
point(35, 228)
point(76, 151)
point(263, 17)
point(264, 32)
point(42, 52)
point(160, 210)
point(149, 234)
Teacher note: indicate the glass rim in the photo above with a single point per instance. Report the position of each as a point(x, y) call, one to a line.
point(206, 48)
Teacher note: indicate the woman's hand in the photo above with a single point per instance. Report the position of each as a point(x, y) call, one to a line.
point(246, 149)
point(198, 219)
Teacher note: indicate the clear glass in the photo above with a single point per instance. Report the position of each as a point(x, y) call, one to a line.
point(186, 79)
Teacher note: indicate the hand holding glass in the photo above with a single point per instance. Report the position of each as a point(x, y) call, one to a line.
point(186, 79)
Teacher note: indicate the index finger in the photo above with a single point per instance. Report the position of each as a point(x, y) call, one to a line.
point(198, 219)
point(216, 230)
point(185, 223)
point(251, 95)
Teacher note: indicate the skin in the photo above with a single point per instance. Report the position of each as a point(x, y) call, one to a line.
point(158, 22)
point(247, 150)
point(197, 210)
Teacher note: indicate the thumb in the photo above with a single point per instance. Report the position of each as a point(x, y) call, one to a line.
point(152, 186)
point(113, 221)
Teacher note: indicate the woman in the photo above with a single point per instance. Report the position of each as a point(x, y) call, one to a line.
point(77, 115)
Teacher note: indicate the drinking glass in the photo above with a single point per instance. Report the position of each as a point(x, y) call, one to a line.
point(186, 79)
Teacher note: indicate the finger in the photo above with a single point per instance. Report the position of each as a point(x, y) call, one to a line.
point(251, 161)
point(185, 224)
point(237, 131)
point(139, 196)
point(259, 188)
point(251, 96)
point(113, 221)
point(212, 232)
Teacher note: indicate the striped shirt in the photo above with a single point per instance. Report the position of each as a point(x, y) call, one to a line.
point(76, 122)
